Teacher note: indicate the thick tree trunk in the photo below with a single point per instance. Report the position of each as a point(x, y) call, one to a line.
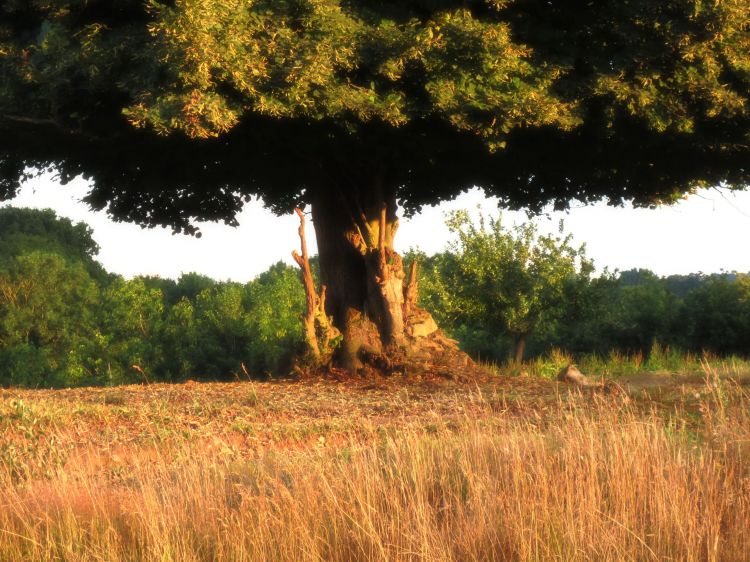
point(367, 298)
point(363, 273)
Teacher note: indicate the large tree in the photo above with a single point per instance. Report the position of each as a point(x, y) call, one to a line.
point(180, 110)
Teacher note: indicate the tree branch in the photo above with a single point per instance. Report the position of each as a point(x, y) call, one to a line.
point(32, 120)
point(307, 280)
point(48, 122)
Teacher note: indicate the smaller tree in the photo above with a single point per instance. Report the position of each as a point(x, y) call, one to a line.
point(188, 286)
point(590, 316)
point(643, 313)
point(509, 281)
point(180, 341)
point(222, 330)
point(275, 301)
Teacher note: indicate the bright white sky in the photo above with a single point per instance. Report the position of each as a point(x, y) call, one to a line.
point(708, 232)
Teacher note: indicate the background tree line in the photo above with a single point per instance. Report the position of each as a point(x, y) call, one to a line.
point(502, 292)
point(65, 321)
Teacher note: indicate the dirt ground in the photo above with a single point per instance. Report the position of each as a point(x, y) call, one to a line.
point(108, 425)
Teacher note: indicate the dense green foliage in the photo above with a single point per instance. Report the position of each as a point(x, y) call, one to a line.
point(26, 230)
point(180, 109)
point(62, 325)
point(494, 280)
point(604, 315)
point(47, 320)
point(496, 284)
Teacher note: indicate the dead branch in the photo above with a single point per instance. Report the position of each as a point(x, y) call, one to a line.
point(322, 300)
point(307, 280)
point(142, 372)
point(32, 120)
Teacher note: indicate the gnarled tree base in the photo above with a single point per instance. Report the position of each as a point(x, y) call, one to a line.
point(370, 299)
point(426, 352)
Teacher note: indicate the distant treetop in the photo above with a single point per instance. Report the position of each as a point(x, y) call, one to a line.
point(27, 230)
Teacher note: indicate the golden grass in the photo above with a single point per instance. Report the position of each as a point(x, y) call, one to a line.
point(586, 477)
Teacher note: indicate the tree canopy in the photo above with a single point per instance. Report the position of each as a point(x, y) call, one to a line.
point(181, 110)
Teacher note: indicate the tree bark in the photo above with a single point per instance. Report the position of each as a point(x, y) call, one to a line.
point(363, 273)
point(411, 291)
point(520, 347)
point(367, 298)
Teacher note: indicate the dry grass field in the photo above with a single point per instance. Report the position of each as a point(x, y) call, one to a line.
point(502, 468)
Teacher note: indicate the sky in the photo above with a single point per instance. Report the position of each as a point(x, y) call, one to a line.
point(709, 232)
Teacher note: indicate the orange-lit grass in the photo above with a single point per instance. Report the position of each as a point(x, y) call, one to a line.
point(600, 480)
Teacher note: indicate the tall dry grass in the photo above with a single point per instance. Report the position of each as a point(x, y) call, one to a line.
point(599, 481)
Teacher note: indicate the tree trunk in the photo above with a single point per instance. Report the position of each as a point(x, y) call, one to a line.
point(363, 273)
point(520, 347)
point(367, 298)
